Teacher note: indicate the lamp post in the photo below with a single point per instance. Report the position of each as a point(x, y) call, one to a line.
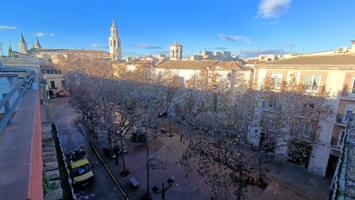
point(157, 190)
point(124, 172)
point(147, 195)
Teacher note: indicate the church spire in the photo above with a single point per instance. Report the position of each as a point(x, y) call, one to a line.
point(23, 45)
point(22, 38)
point(37, 45)
point(10, 52)
point(113, 23)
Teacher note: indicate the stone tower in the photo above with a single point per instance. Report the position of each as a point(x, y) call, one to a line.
point(176, 51)
point(37, 45)
point(23, 45)
point(115, 42)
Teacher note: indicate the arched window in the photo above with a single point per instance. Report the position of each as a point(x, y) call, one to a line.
point(114, 43)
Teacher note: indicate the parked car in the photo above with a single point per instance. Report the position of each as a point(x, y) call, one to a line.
point(79, 167)
point(63, 93)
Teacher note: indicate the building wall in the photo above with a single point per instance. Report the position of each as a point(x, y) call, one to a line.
point(335, 81)
point(223, 75)
point(58, 81)
point(20, 62)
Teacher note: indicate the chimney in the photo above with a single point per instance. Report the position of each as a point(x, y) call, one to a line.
point(352, 46)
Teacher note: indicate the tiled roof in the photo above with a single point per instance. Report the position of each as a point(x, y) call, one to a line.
point(202, 64)
point(230, 65)
point(341, 59)
point(187, 64)
point(70, 51)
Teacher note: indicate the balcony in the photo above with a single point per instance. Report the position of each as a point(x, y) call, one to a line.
point(336, 142)
point(20, 132)
point(341, 119)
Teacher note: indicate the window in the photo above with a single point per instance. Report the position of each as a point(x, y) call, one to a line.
point(341, 137)
point(312, 82)
point(272, 102)
point(305, 130)
point(52, 84)
point(348, 115)
point(293, 77)
point(353, 86)
point(277, 79)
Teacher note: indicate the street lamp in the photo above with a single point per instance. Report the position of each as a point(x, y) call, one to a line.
point(147, 195)
point(162, 191)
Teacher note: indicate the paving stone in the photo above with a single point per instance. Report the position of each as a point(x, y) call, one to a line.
point(49, 143)
point(49, 154)
point(46, 128)
point(46, 136)
point(49, 159)
point(51, 175)
point(50, 166)
point(54, 194)
point(48, 149)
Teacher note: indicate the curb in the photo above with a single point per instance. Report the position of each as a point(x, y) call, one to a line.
point(118, 185)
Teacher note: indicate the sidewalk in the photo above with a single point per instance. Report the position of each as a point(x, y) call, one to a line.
point(166, 152)
point(290, 181)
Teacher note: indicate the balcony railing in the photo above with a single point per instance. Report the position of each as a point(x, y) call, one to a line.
point(341, 119)
point(10, 100)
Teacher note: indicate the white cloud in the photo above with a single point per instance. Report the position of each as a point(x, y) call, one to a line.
point(146, 46)
point(41, 34)
point(273, 8)
point(256, 52)
point(7, 27)
point(98, 45)
point(234, 38)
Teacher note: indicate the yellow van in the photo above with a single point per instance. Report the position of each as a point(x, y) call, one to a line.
point(79, 167)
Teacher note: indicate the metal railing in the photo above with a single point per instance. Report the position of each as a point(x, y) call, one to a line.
point(338, 185)
point(10, 101)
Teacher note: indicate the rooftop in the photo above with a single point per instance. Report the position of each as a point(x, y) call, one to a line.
point(316, 60)
point(70, 51)
point(202, 65)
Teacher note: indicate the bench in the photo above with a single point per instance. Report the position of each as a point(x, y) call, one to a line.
point(133, 181)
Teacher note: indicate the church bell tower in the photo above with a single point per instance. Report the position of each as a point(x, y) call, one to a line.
point(115, 43)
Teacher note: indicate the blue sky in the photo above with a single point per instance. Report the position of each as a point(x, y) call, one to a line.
point(248, 27)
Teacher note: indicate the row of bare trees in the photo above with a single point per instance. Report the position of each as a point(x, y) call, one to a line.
point(231, 131)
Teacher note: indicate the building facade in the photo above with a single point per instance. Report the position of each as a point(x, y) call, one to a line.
point(334, 73)
point(219, 71)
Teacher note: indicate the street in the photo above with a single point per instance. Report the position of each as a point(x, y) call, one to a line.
point(103, 186)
